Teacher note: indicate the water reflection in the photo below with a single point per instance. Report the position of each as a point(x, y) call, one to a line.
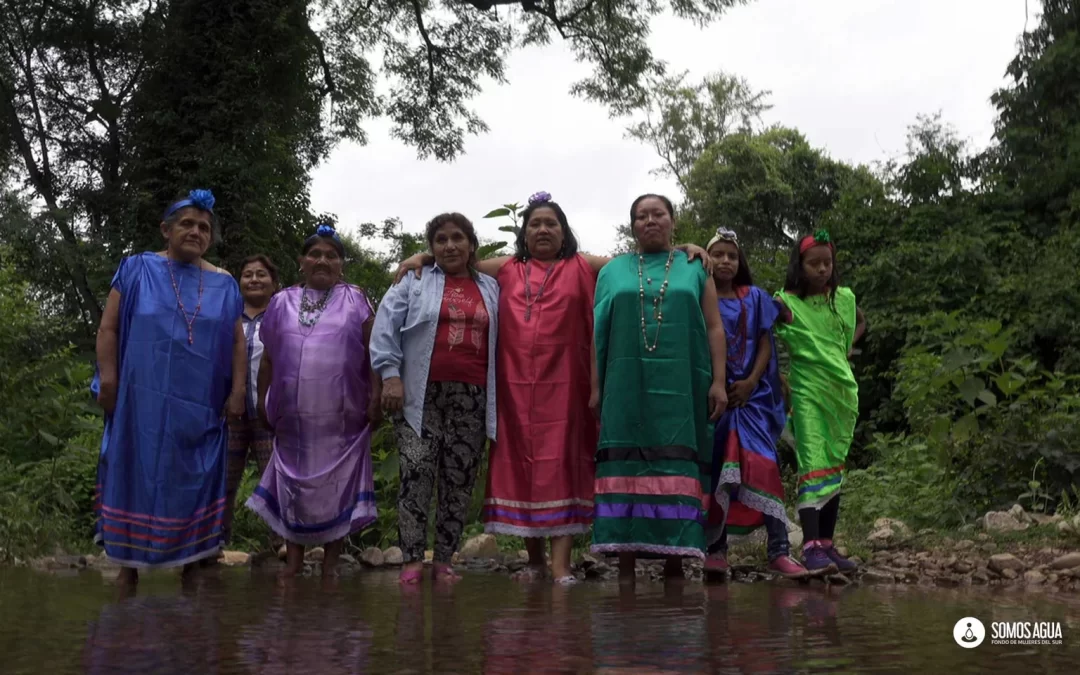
point(243, 623)
point(154, 635)
point(547, 634)
point(298, 631)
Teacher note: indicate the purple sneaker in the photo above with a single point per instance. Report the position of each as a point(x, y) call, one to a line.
point(842, 563)
point(817, 561)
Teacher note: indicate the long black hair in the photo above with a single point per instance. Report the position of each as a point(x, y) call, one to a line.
point(796, 281)
point(743, 276)
point(633, 207)
point(569, 242)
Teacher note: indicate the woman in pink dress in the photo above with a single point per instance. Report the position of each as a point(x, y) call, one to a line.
point(541, 466)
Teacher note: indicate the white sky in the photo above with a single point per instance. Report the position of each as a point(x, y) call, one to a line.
point(851, 75)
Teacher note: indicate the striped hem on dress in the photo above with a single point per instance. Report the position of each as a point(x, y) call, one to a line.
point(351, 520)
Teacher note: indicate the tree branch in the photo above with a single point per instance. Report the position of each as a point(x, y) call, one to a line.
point(328, 75)
point(432, 48)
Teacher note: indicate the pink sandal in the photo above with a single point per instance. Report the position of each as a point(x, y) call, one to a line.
point(411, 577)
point(444, 572)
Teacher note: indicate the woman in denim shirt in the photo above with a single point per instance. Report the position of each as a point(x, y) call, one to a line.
point(433, 345)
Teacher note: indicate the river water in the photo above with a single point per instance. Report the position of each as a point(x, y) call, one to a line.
point(241, 621)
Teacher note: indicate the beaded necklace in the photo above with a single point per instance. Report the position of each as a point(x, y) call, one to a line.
point(658, 300)
point(737, 341)
point(310, 312)
point(529, 300)
point(188, 319)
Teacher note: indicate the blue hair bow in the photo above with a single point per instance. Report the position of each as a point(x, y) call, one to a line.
point(327, 231)
point(200, 199)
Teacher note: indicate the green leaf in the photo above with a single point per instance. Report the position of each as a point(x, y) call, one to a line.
point(966, 427)
point(987, 397)
point(498, 213)
point(1009, 382)
point(388, 468)
point(490, 250)
point(939, 429)
point(49, 438)
point(509, 229)
point(998, 346)
point(971, 388)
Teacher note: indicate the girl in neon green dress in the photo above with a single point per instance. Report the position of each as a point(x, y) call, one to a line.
point(819, 325)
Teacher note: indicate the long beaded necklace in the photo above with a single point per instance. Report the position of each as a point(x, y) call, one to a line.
point(737, 341)
point(310, 311)
point(188, 319)
point(529, 300)
point(658, 300)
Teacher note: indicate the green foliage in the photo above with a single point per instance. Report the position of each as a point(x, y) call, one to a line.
point(110, 108)
point(48, 504)
point(683, 120)
point(44, 391)
point(769, 187)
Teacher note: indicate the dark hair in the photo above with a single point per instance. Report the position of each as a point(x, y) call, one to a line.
point(633, 207)
point(463, 223)
point(569, 243)
point(743, 277)
point(265, 262)
point(796, 280)
point(333, 240)
point(215, 224)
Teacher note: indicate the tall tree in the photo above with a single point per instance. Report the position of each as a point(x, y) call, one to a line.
point(769, 187)
point(1038, 125)
point(682, 120)
point(114, 105)
point(68, 69)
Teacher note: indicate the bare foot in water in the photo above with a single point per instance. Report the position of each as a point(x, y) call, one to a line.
point(189, 572)
point(294, 562)
point(127, 581)
point(627, 569)
point(673, 569)
point(331, 556)
point(529, 573)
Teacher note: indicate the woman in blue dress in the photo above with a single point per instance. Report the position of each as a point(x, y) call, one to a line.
point(171, 364)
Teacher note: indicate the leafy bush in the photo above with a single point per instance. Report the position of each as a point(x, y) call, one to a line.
point(986, 428)
point(48, 504)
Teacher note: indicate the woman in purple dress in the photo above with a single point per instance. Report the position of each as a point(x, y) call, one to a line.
point(315, 393)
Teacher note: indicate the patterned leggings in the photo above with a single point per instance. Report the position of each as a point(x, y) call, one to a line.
point(451, 448)
point(246, 436)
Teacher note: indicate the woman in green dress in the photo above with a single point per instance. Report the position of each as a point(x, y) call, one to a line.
point(819, 324)
point(660, 384)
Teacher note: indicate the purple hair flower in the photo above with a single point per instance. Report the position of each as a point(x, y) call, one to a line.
point(540, 198)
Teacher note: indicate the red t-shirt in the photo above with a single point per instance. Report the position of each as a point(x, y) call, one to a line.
point(461, 340)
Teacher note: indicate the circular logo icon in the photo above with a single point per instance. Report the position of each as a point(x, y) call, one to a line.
point(969, 632)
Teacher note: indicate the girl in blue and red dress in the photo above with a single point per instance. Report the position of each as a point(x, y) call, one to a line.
point(747, 490)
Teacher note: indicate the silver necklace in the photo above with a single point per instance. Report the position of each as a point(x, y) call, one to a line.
point(310, 311)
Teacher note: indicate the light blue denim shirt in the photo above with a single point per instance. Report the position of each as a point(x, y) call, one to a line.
point(403, 337)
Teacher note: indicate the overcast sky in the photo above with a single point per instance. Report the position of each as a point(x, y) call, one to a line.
point(849, 74)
